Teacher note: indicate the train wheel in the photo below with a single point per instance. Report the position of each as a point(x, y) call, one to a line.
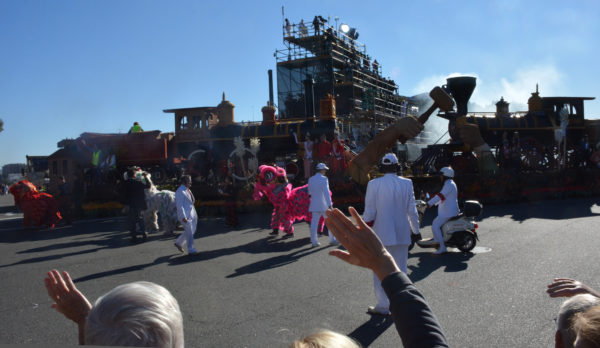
point(244, 166)
point(158, 174)
point(292, 170)
point(532, 154)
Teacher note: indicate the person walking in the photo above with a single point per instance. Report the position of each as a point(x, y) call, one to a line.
point(320, 201)
point(186, 213)
point(135, 197)
point(390, 209)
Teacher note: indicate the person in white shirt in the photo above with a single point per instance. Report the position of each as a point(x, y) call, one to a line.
point(307, 147)
point(186, 213)
point(447, 202)
point(320, 201)
point(390, 209)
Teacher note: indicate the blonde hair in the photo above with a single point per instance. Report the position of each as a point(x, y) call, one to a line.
point(587, 327)
point(325, 339)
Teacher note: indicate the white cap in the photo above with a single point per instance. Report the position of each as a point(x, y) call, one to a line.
point(322, 166)
point(447, 172)
point(389, 159)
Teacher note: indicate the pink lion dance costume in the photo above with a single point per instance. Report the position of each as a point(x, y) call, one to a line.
point(289, 204)
point(39, 208)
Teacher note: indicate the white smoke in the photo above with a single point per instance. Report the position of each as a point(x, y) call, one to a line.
point(435, 127)
point(515, 89)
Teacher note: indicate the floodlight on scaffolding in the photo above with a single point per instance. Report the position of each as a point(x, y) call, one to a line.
point(344, 28)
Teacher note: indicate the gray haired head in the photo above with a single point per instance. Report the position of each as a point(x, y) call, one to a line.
point(141, 314)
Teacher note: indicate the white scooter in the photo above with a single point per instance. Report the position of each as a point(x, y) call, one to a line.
point(459, 231)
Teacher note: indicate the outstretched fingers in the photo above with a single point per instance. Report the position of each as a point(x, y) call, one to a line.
point(69, 282)
point(335, 225)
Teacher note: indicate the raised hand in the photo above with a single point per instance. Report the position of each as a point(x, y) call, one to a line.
point(470, 134)
point(67, 299)
point(566, 287)
point(364, 249)
point(408, 127)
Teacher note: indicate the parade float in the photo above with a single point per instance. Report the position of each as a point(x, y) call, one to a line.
point(328, 85)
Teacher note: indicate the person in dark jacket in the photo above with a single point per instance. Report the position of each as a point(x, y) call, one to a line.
point(415, 322)
point(135, 198)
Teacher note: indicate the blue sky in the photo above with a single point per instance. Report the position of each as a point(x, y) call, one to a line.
point(69, 67)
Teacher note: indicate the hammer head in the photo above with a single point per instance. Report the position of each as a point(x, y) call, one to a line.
point(441, 99)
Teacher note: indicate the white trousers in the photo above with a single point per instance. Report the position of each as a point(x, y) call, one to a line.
point(400, 254)
point(314, 225)
point(187, 237)
point(307, 167)
point(436, 228)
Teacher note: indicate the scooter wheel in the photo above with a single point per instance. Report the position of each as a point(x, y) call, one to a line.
point(466, 242)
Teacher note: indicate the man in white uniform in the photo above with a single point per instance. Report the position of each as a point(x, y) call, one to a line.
point(320, 201)
point(390, 208)
point(447, 202)
point(186, 213)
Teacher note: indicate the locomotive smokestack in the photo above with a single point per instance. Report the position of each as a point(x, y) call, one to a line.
point(271, 87)
point(309, 97)
point(461, 88)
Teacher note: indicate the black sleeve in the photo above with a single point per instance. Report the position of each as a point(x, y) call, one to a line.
point(415, 322)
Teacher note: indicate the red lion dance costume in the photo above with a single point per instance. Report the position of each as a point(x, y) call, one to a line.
point(37, 207)
point(289, 204)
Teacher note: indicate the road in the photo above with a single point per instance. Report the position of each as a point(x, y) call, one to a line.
point(247, 289)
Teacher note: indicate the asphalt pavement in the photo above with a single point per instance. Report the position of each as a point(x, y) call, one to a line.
point(248, 289)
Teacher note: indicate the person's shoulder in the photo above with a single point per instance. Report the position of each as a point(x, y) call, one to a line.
point(404, 180)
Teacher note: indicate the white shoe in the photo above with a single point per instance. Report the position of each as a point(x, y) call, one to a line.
point(314, 245)
point(440, 251)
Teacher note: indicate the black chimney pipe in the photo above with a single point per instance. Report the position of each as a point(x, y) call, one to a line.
point(270, 87)
point(309, 97)
point(461, 88)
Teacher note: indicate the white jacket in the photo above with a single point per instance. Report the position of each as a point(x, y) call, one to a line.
point(390, 203)
point(446, 200)
point(185, 204)
point(318, 189)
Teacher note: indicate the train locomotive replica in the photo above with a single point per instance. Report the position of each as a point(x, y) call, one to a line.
point(328, 85)
point(548, 151)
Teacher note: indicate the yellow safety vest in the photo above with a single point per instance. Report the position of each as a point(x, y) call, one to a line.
point(96, 158)
point(135, 129)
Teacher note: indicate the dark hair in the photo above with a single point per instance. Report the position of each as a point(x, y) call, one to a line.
point(61, 178)
point(130, 174)
point(389, 168)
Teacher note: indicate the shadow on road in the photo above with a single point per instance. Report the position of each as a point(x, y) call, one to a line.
point(549, 209)
point(276, 261)
point(368, 332)
point(264, 245)
point(428, 263)
point(139, 267)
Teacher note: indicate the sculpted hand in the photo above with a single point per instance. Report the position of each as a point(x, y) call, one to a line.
point(67, 299)
point(364, 249)
point(408, 127)
point(470, 134)
point(566, 287)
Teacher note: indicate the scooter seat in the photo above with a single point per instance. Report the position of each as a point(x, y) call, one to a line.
point(456, 217)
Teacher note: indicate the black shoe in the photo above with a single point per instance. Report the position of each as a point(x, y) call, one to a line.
point(288, 235)
point(274, 233)
point(178, 248)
